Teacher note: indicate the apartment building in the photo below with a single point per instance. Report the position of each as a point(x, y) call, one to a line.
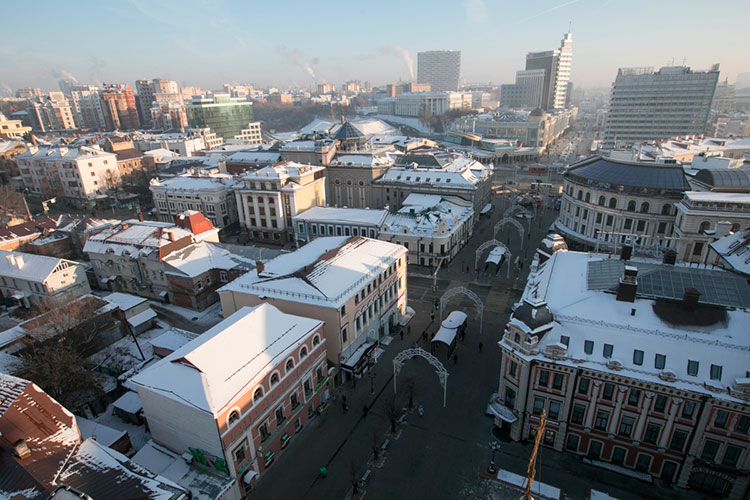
point(273, 195)
point(356, 285)
point(30, 279)
point(441, 69)
point(236, 401)
point(211, 194)
point(12, 129)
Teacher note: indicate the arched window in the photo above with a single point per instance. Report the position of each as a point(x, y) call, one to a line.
point(274, 379)
point(258, 395)
point(588, 197)
point(517, 339)
point(705, 226)
point(631, 206)
point(602, 201)
point(580, 194)
point(316, 340)
point(233, 417)
point(613, 203)
point(289, 366)
point(303, 352)
point(666, 209)
point(644, 207)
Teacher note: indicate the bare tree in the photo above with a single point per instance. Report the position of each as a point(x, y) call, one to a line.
point(391, 412)
point(67, 319)
point(112, 180)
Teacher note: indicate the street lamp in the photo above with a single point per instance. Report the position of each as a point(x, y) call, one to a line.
point(494, 446)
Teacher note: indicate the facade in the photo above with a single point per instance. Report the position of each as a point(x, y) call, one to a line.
point(249, 135)
point(350, 178)
point(235, 401)
point(81, 176)
point(312, 152)
point(12, 129)
point(556, 66)
point(30, 279)
point(434, 172)
point(129, 257)
point(440, 68)
point(392, 90)
point(433, 228)
point(328, 221)
point(647, 105)
point(633, 371)
point(607, 203)
point(87, 106)
point(273, 195)
point(730, 252)
point(355, 285)
point(180, 143)
point(118, 106)
point(703, 217)
point(527, 92)
point(225, 116)
point(51, 113)
point(210, 194)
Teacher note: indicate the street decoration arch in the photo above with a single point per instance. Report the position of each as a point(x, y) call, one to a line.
point(513, 222)
point(413, 352)
point(489, 244)
point(459, 290)
point(515, 208)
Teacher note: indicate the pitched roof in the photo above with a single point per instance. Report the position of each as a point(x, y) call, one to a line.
point(29, 266)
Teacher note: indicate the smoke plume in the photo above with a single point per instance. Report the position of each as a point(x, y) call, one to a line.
point(62, 74)
point(295, 57)
point(5, 90)
point(401, 52)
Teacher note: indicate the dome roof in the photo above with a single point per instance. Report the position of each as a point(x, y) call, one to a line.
point(534, 316)
point(632, 176)
point(725, 178)
point(537, 112)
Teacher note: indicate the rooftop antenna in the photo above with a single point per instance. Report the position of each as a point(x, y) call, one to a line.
point(570, 26)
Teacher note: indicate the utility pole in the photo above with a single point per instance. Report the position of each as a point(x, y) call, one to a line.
point(531, 469)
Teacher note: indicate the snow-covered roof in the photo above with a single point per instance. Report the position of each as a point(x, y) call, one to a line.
point(426, 214)
point(198, 258)
point(287, 169)
point(103, 434)
point(225, 362)
point(734, 250)
point(129, 403)
point(365, 160)
point(160, 152)
point(342, 215)
point(437, 168)
point(585, 308)
point(29, 266)
point(326, 271)
point(124, 301)
point(65, 152)
point(254, 157)
point(718, 197)
point(134, 237)
point(193, 183)
point(172, 339)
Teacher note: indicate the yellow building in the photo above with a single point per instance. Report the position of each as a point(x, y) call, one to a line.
point(12, 129)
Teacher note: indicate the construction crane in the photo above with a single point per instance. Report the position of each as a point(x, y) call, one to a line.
point(531, 469)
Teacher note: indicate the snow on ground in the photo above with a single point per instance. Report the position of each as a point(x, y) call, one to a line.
point(539, 490)
point(123, 355)
point(408, 121)
point(139, 436)
point(7, 321)
point(206, 318)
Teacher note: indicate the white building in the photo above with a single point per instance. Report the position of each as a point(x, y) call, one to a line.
point(210, 194)
point(87, 106)
point(648, 105)
point(82, 176)
point(440, 68)
point(182, 144)
point(31, 279)
point(250, 135)
point(328, 221)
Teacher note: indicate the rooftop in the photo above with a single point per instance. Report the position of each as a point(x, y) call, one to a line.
point(211, 371)
point(734, 250)
point(609, 173)
point(325, 272)
point(198, 258)
point(193, 183)
point(29, 266)
point(343, 215)
point(136, 238)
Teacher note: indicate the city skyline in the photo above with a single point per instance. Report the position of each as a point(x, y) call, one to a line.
point(227, 44)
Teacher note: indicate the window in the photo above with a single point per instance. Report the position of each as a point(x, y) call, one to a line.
point(710, 448)
point(641, 226)
point(608, 392)
point(662, 228)
point(510, 397)
point(588, 346)
point(644, 208)
point(572, 442)
point(652, 433)
point(316, 340)
point(666, 209)
point(631, 206)
point(538, 406)
point(343, 310)
point(628, 223)
point(583, 386)
point(293, 400)
point(716, 372)
point(744, 424)
point(626, 426)
point(233, 417)
point(303, 351)
point(554, 410)
point(731, 456)
point(659, 361)
point(564, 339)
point(239, 454)
point(279, 415)
point(263, 431)
point(602, 201)
point(602, 418)
point(692, 368)
point(610, 220)
point(633, 397)
point(637, 357)
point(544, 378)
point(608, 348)
point(618, 455)
point(289, 366)
point(613, 203)
point(643, 463)
point(660, 404)
point(557, 381)
point(721, 419)
point(513, 369)
point(678, 440)
point(688, 409)
point(274, 379)
point(307, 386)
point(343, 334)
point(577, 414)
point(319, 375)
point(258, 395)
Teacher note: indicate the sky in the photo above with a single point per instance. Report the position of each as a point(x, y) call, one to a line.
point(280, 43)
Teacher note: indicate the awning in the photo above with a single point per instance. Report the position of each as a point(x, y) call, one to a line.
point(164, 293)
point(249, 476)
point(486, 209)
point(496, 408)
point(355, 361)
point(496, 255)
point(445, 335)
point(142, 317)
point(18, 295)
point(454, 319)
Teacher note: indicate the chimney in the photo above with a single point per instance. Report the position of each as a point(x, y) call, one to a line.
point(170, 235)
point(342, 119)
point(628, 285)
point(19, 262)
point(11, 259)
point(259, 266)
point(627, 252)
point(723, 228)
point(22, 449)
point(670, 257)
point(690, 299)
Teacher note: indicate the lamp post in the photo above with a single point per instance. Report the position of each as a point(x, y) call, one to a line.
point(494, 446)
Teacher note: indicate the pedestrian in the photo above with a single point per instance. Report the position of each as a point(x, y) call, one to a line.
point(344, 406)
point(365, 409)
point(455, 359)
point(343, 398)
point(323, 472)
point(408, 329)
point(424, 335)
point(480, 346)
point(401, 333)
point(432, 318)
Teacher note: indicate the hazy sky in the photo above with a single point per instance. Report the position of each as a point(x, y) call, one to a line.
point(207, 43)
